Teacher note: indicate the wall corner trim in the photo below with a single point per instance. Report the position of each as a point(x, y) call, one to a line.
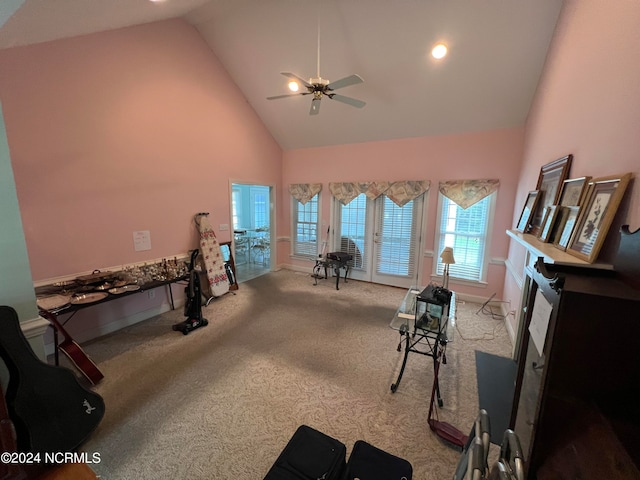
point(35, 327)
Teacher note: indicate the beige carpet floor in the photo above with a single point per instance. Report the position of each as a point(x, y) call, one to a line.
point(222, 402)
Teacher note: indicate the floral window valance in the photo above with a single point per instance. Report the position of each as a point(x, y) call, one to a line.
point(400, 192)
point(468, 192)
point(303, 192)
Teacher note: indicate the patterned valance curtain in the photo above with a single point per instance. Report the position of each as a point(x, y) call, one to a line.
point(468, 192)
point(374, 189)
point(344, 192)
point(303, 192)
point(399, 192)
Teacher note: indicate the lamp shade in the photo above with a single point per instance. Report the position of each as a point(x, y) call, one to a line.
point(447, 256)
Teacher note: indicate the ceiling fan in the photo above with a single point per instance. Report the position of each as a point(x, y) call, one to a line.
point(319, 87)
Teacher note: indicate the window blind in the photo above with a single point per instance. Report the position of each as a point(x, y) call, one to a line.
point(396, 238)
point(353, 223)
point(466, 232)
point(305, 227)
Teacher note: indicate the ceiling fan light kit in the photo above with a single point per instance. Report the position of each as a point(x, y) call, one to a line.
point(439, 51)
point(321, 87)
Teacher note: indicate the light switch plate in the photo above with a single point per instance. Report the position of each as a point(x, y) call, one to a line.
point(224, 226)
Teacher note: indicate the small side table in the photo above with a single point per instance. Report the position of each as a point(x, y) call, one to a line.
point(335, 260)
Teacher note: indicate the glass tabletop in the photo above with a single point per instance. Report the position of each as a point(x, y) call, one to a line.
point(404, 318)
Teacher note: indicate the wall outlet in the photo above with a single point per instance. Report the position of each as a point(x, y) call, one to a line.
point(152, 294)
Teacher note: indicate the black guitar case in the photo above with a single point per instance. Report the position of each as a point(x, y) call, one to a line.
point(310, 455)
point(51, 410)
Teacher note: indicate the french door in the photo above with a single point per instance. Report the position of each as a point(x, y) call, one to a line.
point(383, 238)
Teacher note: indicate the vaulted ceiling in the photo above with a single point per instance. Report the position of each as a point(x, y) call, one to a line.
point(497, 49)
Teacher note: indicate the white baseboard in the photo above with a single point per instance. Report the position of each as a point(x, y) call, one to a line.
point(510, 330)
point(496, 303)
point(296, 268)
point(114, 326)
point(34, 330)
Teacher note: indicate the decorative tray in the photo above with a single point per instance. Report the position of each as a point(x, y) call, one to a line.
point(53, 301)
point(88, 297)
point(123, 289)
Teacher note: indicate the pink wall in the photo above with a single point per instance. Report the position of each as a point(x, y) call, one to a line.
point(494, 154)
point(111, 133)
point(587, 103)
point(133, 129)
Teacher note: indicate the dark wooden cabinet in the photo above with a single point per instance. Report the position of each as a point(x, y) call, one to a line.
point(576, 408)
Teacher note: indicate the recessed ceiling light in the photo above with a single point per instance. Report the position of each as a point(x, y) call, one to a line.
point(293, 86)
point(439, 51)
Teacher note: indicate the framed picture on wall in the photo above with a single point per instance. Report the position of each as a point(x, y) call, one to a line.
point(527, 212)
point(573, 191)
point(550, 182)
point(600, 207)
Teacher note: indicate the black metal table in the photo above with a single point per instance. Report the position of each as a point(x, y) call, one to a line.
point(72, 308)
point(336, 264)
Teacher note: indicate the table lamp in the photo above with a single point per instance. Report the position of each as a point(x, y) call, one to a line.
point(447, 258)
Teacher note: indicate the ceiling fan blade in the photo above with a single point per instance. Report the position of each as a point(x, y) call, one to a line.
point(345, 82)
point(348, 100)
point(315, 107)
point(293, 76)
point(275, 97)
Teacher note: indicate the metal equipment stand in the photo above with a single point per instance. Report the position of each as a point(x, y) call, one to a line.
point(424, 342)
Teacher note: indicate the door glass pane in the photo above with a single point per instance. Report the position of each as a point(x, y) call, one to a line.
point(235, 203)
point(395, 238)
point(353, 229)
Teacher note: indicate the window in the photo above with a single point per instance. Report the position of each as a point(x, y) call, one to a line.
point(305, 227)
point(260, 210)
point(353, 228)
point(466, 231)
point(236, 208)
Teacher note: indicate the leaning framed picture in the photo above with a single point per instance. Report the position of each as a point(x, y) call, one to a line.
point(561, 218)
point(570, 217)
point(600, 207)
point(527, 212)
point(552, 175)
point(548, 222)
point(573, 191)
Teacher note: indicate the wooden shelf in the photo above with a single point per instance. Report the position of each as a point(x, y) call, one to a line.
point(550, 253)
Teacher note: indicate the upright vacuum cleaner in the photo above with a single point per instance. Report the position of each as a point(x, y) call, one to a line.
point(193, 306)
